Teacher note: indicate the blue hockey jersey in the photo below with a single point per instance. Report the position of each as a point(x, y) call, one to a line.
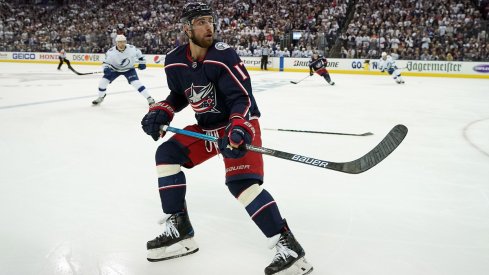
point(319, 63)
point(217, 87)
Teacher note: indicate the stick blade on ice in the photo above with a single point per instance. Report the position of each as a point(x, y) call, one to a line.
point(390, 142)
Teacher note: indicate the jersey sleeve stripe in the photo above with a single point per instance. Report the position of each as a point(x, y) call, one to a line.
point(176, 65)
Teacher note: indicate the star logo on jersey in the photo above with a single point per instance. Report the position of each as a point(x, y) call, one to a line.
point(202, 98)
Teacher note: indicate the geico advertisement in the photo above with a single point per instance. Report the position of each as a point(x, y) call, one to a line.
point(23, 56)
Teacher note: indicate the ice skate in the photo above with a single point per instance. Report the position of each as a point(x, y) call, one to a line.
point(289, 258)
point(98, 100)
point(175, 241)
point(150, 100)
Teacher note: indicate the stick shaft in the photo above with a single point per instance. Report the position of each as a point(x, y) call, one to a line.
point(318, 132)
point(386, 146)
point(78, 73)
point(295, 82)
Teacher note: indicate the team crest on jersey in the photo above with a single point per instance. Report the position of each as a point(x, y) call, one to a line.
point(202, 98)
point(222, 46)
point(124, 62)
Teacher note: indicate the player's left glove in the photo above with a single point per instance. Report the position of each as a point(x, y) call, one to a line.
point(141, 66)
point(239, 132)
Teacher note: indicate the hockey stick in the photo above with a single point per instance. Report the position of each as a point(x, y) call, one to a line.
point(101, 72)
point(78, 73)
point(319, 132)
point(297, 82)
point(360, 165)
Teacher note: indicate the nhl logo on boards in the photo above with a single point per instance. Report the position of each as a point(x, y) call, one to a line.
point(222, 46)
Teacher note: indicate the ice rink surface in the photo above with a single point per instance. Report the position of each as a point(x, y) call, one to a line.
point(78, 189)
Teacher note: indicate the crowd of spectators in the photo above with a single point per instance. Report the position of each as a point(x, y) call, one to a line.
point(419, 30)
point(407, 29)
point(153, 26)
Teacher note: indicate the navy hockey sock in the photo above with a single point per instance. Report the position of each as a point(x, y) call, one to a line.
point(259, 204)
point(327, 77)
point(172, 192)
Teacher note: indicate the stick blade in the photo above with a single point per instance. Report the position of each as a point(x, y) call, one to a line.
point(293, 82)
point(390, 142)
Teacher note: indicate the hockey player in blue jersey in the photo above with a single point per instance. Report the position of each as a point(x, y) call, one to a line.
point(386, 63)
point(318, 64)
point(120, 60)
point(211, 78)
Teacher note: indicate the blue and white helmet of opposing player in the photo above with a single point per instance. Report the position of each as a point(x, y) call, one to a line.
point(194, 10)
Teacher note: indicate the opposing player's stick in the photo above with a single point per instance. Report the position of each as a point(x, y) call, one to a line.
point(100, 72)
point(296, 82)
point(386, 146)
point(319, 132)
point(78, 73)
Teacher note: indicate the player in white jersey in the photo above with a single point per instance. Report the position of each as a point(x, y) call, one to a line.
point(120, 60)
point(386, 63)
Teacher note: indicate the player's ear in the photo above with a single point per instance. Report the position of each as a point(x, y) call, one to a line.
point(186, 29)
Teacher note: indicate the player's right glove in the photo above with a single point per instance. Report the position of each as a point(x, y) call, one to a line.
point(160, 113)
point(239, 132)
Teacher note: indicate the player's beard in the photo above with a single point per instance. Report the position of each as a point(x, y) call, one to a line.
point(204, 42)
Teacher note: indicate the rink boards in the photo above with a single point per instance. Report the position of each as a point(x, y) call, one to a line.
point(335, 65)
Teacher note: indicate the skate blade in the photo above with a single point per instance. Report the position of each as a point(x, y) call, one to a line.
point(300, 267)
point(180, 249)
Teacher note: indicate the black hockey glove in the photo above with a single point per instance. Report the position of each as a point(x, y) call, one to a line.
point(239, 132)
point(160, 113)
